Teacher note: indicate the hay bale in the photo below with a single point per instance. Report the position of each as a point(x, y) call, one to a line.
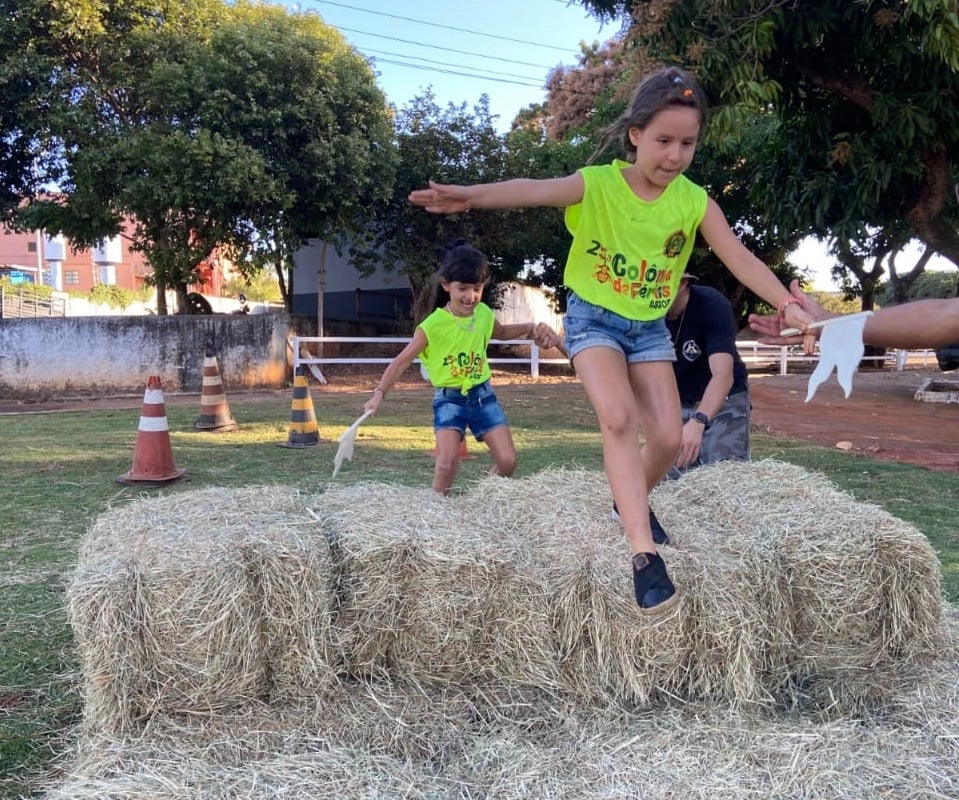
point(848, 586)
point(199, 601)
point(607, 652)
point(423, 594)
point(405, 740)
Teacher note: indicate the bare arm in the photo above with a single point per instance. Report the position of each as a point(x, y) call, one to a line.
point(441, 198)
point(395, 368)
point(519, 330)
point(750, 271)
point(918, 324)
point(721, 367)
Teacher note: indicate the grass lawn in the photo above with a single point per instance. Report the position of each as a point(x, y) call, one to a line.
point(59, 469)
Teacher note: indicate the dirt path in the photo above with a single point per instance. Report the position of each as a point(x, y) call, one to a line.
point(881, 416)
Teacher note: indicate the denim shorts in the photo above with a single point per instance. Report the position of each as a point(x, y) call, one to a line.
point(588, 325)
point(478, 410)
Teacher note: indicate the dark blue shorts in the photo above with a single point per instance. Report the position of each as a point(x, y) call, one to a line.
point(478, 410)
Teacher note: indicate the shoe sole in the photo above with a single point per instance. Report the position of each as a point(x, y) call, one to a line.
point(659, 608)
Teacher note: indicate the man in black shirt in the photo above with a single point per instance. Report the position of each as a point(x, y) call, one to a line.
point(711, 377)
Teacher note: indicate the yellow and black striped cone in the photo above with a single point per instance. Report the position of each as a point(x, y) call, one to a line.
point(214, 408)
point(303, 428)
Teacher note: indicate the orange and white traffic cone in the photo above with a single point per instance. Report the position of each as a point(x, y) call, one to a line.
point(153, 454)
point(303, 428)
point(214, 408)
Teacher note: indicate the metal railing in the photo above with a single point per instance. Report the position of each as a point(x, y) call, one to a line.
point(754, 354)
point(18, 303)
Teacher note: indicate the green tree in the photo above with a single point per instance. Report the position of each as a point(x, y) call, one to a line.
point(864, 94)
point(213, 126)
point(448, 145)
point(292, 91)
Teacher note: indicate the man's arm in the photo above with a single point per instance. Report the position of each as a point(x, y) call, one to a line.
point(914, 325)
point(710, 404)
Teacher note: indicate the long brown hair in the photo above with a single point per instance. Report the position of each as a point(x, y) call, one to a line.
point(670, 86)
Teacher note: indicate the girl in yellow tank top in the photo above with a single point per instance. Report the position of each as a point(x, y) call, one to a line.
point(633, 225)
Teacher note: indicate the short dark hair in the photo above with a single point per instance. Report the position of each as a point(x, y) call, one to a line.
point(463, 263)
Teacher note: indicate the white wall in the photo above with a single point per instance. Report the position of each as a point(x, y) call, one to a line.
point(66, 356)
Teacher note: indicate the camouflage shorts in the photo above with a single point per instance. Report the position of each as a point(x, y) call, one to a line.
point(726, 438)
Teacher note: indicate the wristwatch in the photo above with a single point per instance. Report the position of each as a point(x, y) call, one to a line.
point(700, 417)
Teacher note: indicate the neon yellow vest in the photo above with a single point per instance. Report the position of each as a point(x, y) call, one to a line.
point(627, 254)
point(455, 354)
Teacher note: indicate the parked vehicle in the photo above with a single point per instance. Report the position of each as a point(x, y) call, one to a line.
point(948, 357)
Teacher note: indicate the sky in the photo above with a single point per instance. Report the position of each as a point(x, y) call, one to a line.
point(502, 48)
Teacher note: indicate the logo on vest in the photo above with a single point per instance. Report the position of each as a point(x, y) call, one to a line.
point(674, 244)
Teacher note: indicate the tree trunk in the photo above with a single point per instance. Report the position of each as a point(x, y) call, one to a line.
point(182, 304)
point(925, 213)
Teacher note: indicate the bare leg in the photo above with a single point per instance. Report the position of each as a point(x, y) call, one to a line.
point(500, 443)
point(615, 393)
point(660, 410)
point(447, 459)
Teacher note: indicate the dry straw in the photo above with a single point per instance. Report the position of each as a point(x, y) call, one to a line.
point(197, 602)
point(381, 641)
point(459, 743)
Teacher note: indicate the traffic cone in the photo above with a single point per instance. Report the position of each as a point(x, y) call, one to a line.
point(303, 429)
point(152, 455)
point(464, 454)
point(214, 408)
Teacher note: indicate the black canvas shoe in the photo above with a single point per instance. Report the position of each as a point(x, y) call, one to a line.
point(659, 534)
point(654, 590)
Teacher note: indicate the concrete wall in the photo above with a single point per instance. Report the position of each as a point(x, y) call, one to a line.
point(100, 356)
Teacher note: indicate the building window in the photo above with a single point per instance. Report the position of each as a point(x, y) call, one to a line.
point(71, 277)
point(31, 247)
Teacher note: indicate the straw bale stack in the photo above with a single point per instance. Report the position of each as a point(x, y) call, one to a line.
point(379, 642)
point(790, 591)
point(394, 740)
point(199, 601)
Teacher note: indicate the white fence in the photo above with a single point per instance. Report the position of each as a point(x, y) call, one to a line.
point(754, 354)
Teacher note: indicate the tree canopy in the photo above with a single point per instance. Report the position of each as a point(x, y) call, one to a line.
point(864, 96)
point(212, 126)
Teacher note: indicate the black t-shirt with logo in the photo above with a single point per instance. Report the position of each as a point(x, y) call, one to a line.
point(706, 326)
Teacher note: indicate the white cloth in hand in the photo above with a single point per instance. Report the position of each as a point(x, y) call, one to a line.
point(840, 346)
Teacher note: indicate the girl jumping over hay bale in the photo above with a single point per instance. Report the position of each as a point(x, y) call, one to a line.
point(633, 225)
point(451, 343)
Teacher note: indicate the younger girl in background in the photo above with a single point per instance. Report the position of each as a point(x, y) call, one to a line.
point(633, 225)
point(451, 343)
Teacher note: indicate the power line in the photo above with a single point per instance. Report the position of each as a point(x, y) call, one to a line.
point(447, 49)
point(477, 75)
point(455, 66)
point(444, 27)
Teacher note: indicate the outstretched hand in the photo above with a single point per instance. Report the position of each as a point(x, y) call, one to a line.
point(442, 198)
point(769, 326)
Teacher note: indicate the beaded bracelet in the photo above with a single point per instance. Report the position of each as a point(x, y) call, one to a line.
point(788, 301)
